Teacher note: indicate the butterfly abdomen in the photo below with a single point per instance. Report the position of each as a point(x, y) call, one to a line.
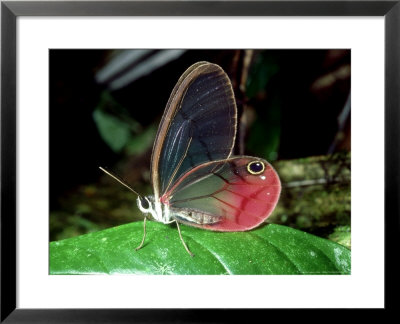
point(192, 216)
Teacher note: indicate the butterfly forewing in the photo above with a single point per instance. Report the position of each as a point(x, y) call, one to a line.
point(198, 126)
point(225, 195)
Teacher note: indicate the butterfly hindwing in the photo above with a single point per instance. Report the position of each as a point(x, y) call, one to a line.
point(198, 125)
point(225, 195)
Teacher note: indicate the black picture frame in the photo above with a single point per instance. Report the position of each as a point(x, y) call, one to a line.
point(10, 10)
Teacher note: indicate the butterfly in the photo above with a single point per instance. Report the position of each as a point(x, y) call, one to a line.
point(196, 179)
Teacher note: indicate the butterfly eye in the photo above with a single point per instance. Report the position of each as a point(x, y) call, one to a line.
point(144, 203)
point(255, 167)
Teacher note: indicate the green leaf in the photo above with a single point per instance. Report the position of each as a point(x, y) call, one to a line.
point(141, 142)
point(113, 131)
point(271, 249)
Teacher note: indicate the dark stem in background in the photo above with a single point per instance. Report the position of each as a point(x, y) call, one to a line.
point(241, 63)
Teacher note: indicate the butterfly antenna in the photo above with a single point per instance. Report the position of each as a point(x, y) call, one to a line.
point(119, 180)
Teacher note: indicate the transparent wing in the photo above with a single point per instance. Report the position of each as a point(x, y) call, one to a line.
point(198, 125)
point(225, 195)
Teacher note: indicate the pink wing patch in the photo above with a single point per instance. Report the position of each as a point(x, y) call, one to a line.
point(237, 194)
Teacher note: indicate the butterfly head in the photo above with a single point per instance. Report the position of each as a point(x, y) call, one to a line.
point(158, 211)
point(145, 204)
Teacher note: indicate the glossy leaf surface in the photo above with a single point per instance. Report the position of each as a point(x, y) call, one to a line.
point(270, 249)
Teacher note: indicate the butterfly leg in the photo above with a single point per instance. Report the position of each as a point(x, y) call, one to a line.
point(183, 242)
point(144, 234)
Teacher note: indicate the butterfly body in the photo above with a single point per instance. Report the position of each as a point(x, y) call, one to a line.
point(161, 212)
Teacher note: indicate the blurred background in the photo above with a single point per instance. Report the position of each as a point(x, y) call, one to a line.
point(105, 107)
